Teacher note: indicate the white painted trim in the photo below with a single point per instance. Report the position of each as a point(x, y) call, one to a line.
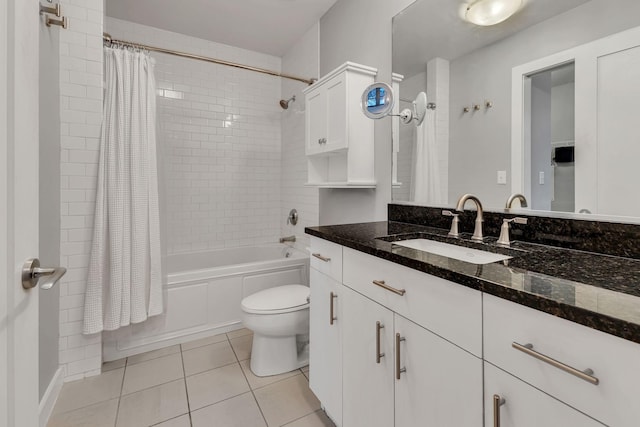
point(586, 80)
point(50, 396)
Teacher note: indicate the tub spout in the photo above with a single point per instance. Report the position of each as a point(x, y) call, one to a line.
point(288, 239)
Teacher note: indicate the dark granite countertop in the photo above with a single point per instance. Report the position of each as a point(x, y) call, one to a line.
point(595, 290)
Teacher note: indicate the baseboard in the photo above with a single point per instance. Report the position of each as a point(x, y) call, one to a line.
point(51, 396)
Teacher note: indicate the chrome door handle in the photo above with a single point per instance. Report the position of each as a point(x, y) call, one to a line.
point(399, 370)
point(497, 403)
point(31, 274)
point(332, 318)
point(378, 354)
point(383, 285)
point(586, 375)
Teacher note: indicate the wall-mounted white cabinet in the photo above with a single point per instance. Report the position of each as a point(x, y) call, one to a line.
point(339, 137)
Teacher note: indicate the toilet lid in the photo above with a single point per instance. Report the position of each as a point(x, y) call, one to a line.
point(275, 299)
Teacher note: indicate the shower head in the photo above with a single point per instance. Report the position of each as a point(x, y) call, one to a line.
point(285, 104)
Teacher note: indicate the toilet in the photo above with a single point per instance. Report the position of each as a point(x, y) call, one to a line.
point(279, 319)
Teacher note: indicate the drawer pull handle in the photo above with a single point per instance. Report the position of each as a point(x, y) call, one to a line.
point(586, 375)
point(321, 258)
point(389, 288)
point(332, 296)
point(378, 354)
point(497, 403)
point(399, 370)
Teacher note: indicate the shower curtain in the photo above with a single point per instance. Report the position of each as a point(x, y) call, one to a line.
point(425, 182)
point(124, 283)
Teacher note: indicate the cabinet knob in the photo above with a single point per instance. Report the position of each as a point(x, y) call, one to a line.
point(322, 141)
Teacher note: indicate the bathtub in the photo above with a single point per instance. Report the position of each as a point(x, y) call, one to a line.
point(203, 293)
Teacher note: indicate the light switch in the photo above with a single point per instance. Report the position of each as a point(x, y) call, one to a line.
point(541, 179)
point(502, 177)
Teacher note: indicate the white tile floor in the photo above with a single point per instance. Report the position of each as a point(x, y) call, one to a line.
point(203, 383)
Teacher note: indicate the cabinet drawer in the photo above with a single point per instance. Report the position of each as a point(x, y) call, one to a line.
point(450, 310)
point(614, 361)
point(326, 257)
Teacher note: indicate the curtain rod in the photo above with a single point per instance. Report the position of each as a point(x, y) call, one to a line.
point(108, 39)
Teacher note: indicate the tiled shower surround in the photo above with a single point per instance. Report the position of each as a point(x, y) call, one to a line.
point(219, 143)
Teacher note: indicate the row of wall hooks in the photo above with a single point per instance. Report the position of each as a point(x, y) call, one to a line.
point(477, 107)
point(57, 12)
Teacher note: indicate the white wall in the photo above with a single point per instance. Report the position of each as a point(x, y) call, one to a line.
point(301, 60)
point(219, 143)
point(81, 115)
point(486, 135)
point(360, 31)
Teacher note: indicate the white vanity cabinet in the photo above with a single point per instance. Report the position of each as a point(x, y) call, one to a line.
point(421, 378)
point(326, 323)
point(368, 381)
point(520, 405)
point(339, 137)
point(516, 338)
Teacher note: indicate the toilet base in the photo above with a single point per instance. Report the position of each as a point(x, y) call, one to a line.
point(277, 355)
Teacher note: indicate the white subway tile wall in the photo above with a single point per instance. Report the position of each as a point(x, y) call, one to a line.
point(232, 163)
point(81, 115)
point(301, 60)
point(219, 143)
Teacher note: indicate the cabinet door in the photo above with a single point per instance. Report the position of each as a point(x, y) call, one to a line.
point(336, 114)
point(442, 384)
point(367, 384)
point(526, 406)
point(325, 349)
point(316, 117)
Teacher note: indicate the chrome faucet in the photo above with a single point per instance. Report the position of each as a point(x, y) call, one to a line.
point(477, 232)
point(288, 239)
point(513, 197)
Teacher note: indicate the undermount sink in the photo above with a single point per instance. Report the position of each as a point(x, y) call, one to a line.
point(461, 253)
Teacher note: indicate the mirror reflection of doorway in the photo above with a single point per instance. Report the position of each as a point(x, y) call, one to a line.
point(550, 138)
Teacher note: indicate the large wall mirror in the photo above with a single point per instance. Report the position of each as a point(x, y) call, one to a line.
point(545, 103)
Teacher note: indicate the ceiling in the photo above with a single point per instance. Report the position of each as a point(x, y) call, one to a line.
point(433, 28)
point(267, 26)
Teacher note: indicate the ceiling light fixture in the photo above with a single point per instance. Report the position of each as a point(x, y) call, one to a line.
point(491, 12)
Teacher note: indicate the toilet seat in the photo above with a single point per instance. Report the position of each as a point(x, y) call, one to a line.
point(281, 299)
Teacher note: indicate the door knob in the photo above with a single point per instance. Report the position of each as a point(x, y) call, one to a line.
point(31, 274)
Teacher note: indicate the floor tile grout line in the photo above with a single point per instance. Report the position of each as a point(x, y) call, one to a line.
point(297, 419)
point(124, 372)
point(186, 389)
point(249, 384)
point(254, 396)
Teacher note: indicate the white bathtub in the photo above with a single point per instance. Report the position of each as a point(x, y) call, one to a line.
point(203, 293)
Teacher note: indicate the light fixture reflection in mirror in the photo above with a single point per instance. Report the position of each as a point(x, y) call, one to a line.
point(491, 12)
point(377, 100)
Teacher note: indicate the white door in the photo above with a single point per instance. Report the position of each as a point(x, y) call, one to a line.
point(19, 22)
point(524, 405)
point(325, 349)
point(367, 380)
point(441, 385)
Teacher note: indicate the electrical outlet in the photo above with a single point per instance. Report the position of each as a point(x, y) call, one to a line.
point(541, 178)
point(502, 177)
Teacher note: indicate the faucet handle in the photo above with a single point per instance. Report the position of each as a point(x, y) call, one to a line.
point(504, 240)
point(453, 232)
